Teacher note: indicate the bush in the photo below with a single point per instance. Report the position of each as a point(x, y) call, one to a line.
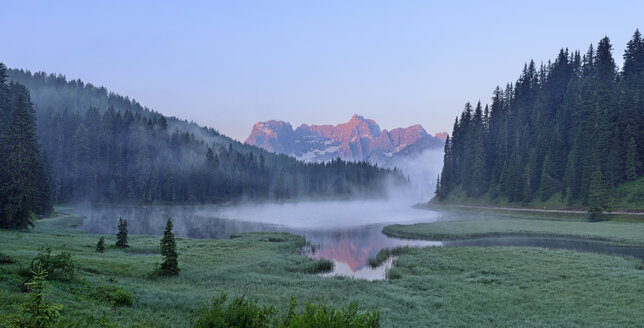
point(113, 295)
point(244, 312)
point(100, 246)
point(60, 267)
point(6, 259)
point(314, 266)
point(380, 258)
point(385, 254)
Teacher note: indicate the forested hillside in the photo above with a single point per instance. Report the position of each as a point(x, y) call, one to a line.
point(103, 147)
point(572, 129)
point(24, 181)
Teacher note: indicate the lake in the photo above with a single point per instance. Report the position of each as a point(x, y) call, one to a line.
point(345, 232)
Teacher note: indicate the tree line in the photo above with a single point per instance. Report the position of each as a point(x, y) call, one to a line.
point(126, 157)
point(24, 179)
point(572, 128)
point(57, 151)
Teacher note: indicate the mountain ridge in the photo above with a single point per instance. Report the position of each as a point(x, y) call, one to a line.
point(359, 139)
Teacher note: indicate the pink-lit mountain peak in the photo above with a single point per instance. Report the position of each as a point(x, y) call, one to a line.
point(358, 139)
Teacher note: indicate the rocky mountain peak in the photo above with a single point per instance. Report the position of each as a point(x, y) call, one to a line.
point(358, 139)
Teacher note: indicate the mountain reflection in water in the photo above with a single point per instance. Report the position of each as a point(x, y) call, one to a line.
point(348, 233)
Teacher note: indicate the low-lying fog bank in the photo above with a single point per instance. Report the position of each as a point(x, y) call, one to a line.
point(328, 215)
point(346, 232)
point(208, 221)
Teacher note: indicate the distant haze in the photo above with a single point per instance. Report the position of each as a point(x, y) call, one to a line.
point(229, 64)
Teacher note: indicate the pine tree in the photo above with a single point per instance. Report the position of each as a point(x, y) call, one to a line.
point(548, 185)
point(632, 161)
point(100, 246)
point(20, 169)
point(121, 235)
point(634, 55)
point(552, 129)
point(597, 201)
point(170, 264)
point(37, 313)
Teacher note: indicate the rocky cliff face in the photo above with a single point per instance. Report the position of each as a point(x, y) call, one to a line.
point(274, 136)
point(360, 139)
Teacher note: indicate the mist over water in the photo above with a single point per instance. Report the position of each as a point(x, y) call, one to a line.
point(346, 232)
point(329, 215)
point(422, 170)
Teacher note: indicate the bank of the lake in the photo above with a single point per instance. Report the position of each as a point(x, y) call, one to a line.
point(619, 233)
point(435, 286)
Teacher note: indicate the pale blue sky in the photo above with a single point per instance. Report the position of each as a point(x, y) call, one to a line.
point(228, 64)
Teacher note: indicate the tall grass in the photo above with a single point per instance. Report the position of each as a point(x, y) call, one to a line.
point(623, 233)
point(435, 286)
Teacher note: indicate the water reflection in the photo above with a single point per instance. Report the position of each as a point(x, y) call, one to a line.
point(352, 247)
point(348, 233)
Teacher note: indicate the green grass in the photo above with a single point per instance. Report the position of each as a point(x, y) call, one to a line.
point(623, 233)
point(629, 197)
point(436, 286)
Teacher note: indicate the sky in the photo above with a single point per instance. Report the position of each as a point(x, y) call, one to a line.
point(229, 64)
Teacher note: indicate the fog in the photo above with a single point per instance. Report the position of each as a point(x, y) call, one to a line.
point(422, 170)
point(347, 232)
point(328, 214)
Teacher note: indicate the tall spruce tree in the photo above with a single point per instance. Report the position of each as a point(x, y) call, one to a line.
point(121, 235)
point(170, 264)
point(597, 201)
point(21, 172)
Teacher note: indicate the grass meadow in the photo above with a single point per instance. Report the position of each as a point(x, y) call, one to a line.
point(435, 286)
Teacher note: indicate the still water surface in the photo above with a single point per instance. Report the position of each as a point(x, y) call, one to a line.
point(347, 233)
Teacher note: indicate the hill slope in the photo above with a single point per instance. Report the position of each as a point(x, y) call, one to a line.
point(104, 147)
point(569, 133)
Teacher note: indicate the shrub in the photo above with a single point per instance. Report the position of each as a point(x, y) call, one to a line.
point(380, 258)
point(6, 259)
point(319, 316)
point(113, 295)
point(385, 254)
point(60, 267)
point(100, 246)
point(317, 266)
point(244, 312)
point(241, 312)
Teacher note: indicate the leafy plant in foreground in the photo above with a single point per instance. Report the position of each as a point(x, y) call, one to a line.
point(113, 295)
point(6, 259)
point(245, 312)
point(60, 267)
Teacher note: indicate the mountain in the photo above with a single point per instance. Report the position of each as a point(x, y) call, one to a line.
point(103, 147)
point(441, 135)
point(359, 139)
